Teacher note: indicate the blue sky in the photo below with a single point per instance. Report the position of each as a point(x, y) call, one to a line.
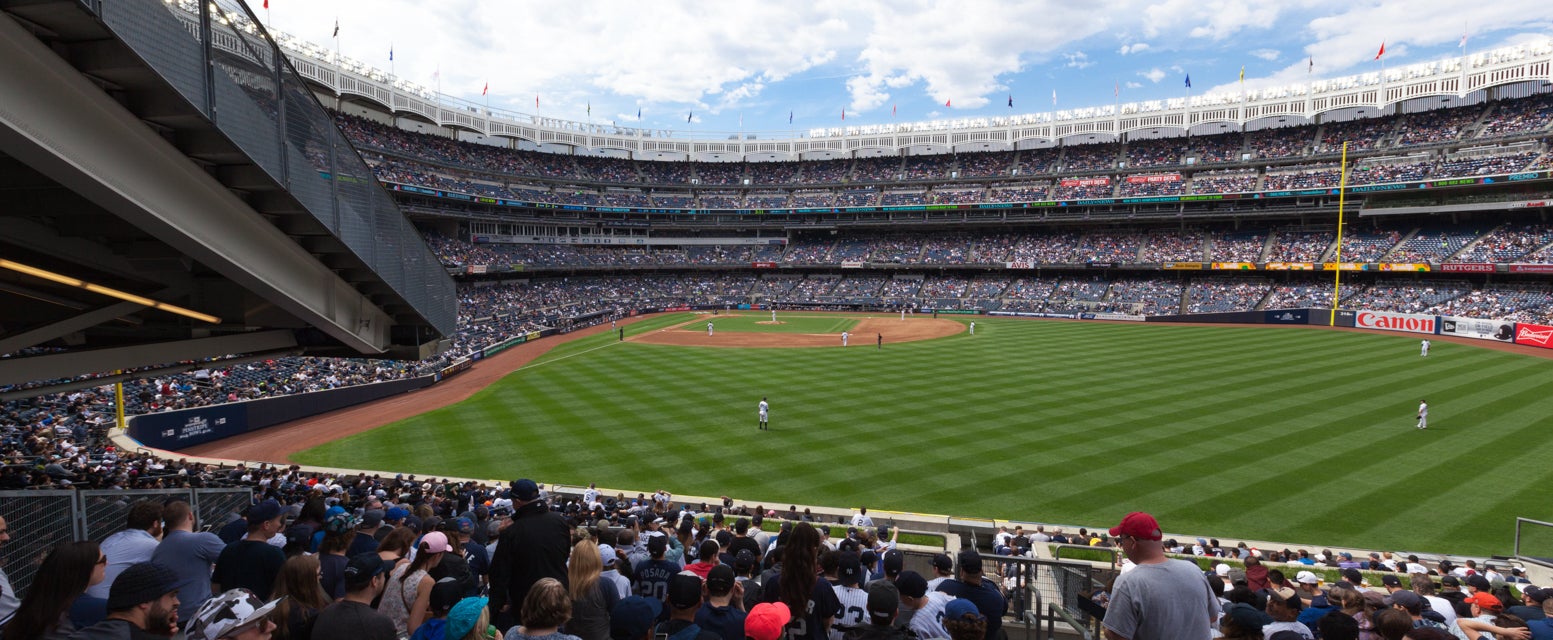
point(753, 63)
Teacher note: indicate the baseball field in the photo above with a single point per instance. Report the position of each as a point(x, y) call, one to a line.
point(1297, 435)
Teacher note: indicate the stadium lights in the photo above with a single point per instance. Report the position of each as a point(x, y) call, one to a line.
point(110, 292)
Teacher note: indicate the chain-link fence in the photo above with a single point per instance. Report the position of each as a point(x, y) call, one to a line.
point(36, 521)
point(216, 507)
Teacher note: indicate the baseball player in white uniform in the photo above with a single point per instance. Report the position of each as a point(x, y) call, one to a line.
point(708, 328)
point(773, 315)
point(973, 327)
point(764, 409)
point(844, 336)
point(1423, 414)
point(1424, 349)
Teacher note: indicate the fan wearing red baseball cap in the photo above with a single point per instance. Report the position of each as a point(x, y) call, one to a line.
point(1158, 598)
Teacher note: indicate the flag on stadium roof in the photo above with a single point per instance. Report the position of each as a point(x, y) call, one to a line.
point(336, 28)
point(638, 114)
point(789, 117)
point(1010, 100)
point(1188, 80)
point(390, 53)
point(1382, 50)
point(266, 4)
point(1242, 74)
point(690, 116)
point(1312, 67)
point(893, 107)
point(1054, 97)
point(843, 114)
point(487, 90)
point(946, 103)
point(590, 108)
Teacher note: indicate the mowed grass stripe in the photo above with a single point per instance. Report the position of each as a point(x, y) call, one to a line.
point(1284, 434)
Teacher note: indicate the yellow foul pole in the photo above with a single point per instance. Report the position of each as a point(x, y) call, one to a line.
point(118, 403)
point(1337, 277)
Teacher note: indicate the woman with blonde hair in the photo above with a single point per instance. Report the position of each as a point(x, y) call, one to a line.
point(546, 607)
point(298, 579)
point(592, 599)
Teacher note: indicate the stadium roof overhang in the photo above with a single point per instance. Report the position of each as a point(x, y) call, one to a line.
point(138, 236)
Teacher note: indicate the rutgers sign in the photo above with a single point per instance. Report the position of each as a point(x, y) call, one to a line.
point(1536, 335)
point(1409, 322)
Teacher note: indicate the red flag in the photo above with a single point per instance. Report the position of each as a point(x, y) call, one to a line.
point(1382, 50)
point(892, 110)
point(843, 113)
point(946, 103)
point(486, 90)
point(266, 4)
point(536, 101)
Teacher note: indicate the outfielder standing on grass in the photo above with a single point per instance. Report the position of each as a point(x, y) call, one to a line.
point(1423, 414)
point(764, 408)
point(708, 328)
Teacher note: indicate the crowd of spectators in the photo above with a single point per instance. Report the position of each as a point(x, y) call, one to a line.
point(1363, 134)
point(1301, 246)
point(1436, 126)
point(1434, 244)
point(479, 168)
point(1164, 152)
point(1407, 296)
point(1508, 243)
point(1280, 142)
point(1235, 181)
point(1237, 246)
point(1518, 117)
point(1216, 295)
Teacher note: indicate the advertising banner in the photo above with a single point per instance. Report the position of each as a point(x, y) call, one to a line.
point(1403, 266)
point(1467, 267)
point(1479, 328)
point(1409, 322)
point(1151, 179)
point(1290, 266)
point(1123, 317)
point(177, 429)
point(1286, 316)
point(1085, 182)
point(1182, 266)
point(1242, 266)
point(763, 265)
point(1536, 335)
point(477, 268)
point(1020, 264)
point(1341, 266)
point(1531, 268)
point(851, 265)
point(1033, 314)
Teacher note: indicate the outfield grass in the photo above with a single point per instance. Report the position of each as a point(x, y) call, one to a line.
point(788, 322)
point(1292, 435)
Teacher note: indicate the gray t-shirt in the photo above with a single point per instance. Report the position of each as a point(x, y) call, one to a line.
point(191, 556)
point(1170, 600)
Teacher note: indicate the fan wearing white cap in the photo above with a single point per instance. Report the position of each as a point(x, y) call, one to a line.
point(236, 615)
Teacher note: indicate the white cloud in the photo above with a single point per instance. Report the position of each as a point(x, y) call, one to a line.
point(1078, 60)
point(1138, 47)
point(1266, 54)
point(1133, 85)
point(1210, 19)
point(1154, 75)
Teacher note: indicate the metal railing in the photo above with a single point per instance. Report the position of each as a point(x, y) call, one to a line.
point(1046, 591)
point(38, 520)
point(1534, 541)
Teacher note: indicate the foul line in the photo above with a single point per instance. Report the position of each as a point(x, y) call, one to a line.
point(536, 365)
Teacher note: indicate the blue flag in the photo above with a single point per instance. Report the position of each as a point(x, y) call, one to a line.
point(638, 114)
point(789, 117)
point(690, 116)
point(1010, 100)
point(1188, 80)
point(390, 53)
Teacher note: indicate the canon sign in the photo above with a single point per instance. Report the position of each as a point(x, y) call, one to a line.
point(1395, 321)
